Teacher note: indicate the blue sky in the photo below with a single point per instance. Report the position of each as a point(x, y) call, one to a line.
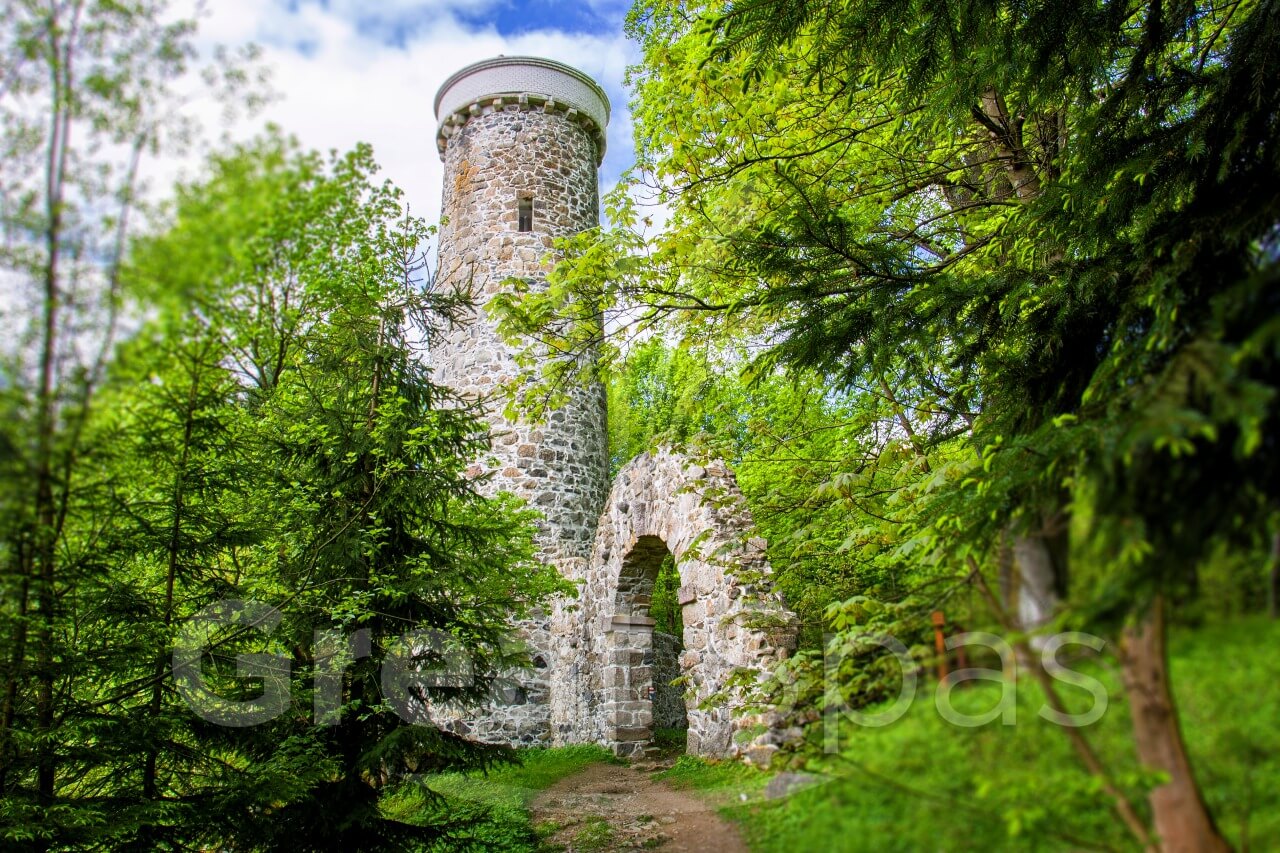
point(512, 18)
point(348, 71)
point(396, 24)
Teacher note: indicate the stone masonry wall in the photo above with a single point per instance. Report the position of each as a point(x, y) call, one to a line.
point(668, 700)
point(498, 157)
point(733, 619)
point(501, 154)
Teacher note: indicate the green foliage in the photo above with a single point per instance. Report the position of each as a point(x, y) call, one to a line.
point(921, 783)
point(970, 211)
point(673, 740)
point(489, 810)
point(820, 468)
point(1027, 252)
point(665, 607)
point(660, 395)
point(107, 497)
point(272, 434)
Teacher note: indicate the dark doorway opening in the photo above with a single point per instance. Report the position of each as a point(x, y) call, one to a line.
point(649, 696)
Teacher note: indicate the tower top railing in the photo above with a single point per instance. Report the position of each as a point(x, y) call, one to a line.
point(525, 82)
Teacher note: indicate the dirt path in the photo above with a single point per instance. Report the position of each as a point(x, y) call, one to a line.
point(616, 808)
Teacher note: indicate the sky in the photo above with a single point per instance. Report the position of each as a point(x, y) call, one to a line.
point(348, 71)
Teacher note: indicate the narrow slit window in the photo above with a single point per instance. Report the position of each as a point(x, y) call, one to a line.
point(525, 213)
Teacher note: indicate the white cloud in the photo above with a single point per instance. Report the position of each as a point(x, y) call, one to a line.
point(339, 83)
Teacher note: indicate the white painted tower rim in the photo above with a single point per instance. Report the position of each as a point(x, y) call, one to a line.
point(524, 80)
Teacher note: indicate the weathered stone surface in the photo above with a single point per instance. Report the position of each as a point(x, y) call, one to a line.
point(495, 156)
point(663, 502)
point(668, 700)
point(598, 675)
point(760, 755)
point(785, 784)
point(492, 162)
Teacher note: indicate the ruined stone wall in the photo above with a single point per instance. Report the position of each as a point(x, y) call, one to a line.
point(733, 618)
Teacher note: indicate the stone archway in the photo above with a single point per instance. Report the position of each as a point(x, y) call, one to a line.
point(733, 619)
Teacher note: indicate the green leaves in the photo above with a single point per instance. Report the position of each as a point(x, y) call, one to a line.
point(272, 434)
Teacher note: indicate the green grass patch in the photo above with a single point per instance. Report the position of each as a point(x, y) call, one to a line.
point(494, 806)
point(595, 834)
point(670, 739)
point(924, 784)
point(713, 777)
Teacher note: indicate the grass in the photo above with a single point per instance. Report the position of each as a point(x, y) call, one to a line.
point(924, 784)
point(714, 777)
point(495, 805)
point(595, 834)
point(668, 739)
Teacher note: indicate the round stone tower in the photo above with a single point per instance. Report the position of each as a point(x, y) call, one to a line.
point(522, 139)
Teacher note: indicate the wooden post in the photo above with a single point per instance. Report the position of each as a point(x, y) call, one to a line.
point(940, 643)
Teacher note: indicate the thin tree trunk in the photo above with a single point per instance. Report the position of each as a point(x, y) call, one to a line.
point(1007, 572)
point(1036, 584)
point(1079, 742)
point(1038, 572)
point(44, 499)
point(60, 46)
point(905, 423)
point(1182, 819)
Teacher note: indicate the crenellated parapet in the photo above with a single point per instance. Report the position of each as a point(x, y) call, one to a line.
point(521, 84)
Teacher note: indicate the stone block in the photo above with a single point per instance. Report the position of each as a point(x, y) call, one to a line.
point(626, 624)
point(628, 658)
point(633, 734)
point(616, 677)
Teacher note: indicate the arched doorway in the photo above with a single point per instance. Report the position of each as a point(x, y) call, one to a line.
point(670, 683)
point(648, 708)
point(732, 619)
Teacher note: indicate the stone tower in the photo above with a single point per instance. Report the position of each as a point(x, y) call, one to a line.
point(522, 139)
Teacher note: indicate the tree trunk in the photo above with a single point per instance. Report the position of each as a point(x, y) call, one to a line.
point(1036, 585)
point(1183, 822)
point(59, 56)
point(1005, 132)
point(173, 550)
